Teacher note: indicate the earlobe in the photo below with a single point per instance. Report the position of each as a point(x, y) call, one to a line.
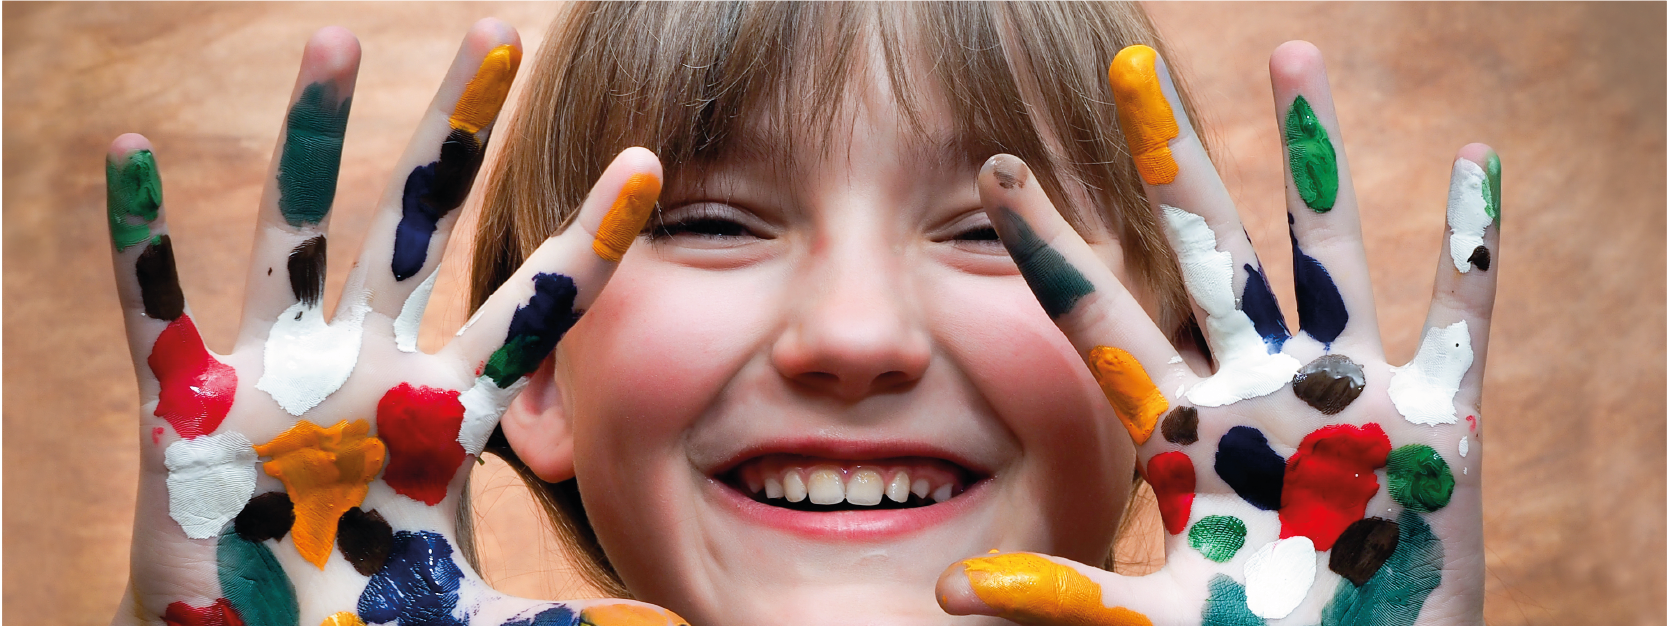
point(536, 424)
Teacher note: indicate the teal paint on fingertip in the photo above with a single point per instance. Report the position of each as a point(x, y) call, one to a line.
point(254, 583)
point(312, 157)
point(1057, 285)
point(1395, 595)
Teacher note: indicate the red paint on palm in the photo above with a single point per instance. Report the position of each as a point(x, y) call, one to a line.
point(197, 390)
point(1171, 475)
point(420, 427)
point(220, 613)
point(1329, 481)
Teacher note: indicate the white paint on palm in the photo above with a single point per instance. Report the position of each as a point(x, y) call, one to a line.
point(1465, 446)
point(1423, 391)
point(1246, 369)
point(1278, 576)
point(1467, 212)
point(306, 359)
point(411, 315)
point(483, 404)
point(210, 478)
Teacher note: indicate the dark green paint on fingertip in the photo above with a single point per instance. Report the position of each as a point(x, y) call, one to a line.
point(255, 584)
point(313, 134)
point(1313, 160)
point(1057, 285)
point(133, 197)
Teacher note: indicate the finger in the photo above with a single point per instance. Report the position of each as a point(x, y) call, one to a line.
point(1219, 266)
point(1047, 591)
point(1329, 265)
point(1447, 370)
point(601, 613)
point(520, 324)
point(180, 381)
point(286, 277)
point(418, 210)
point(1129, 355)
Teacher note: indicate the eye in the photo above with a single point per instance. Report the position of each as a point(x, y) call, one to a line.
point(704, 221)
point(977, 233)
point(972, 232)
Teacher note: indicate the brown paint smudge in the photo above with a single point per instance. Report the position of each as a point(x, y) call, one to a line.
point(266, 516)
point(1329, 383)
point(1363, 548)
point(365, 539)
point(159, 281)
point(1181, 426)
point(306, 268)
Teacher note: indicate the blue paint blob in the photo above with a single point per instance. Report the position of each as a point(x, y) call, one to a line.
point(1255, 471)
point(534, 329)
point(1227, 605)
point(1395, 595)
point(1320, 308)
point(431, 192)
point(553, 616)
point(417, 586)
point(1259, 304)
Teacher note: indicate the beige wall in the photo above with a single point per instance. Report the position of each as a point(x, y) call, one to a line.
point(1570, 95)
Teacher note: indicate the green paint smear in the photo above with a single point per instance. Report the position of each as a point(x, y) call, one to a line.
point(1218, 537)
point(1419, 479)
point(1057, 285)
point(515, 359)
point(307, 170)
point(1393, 596)
point(1227, 606)
point(133, 196)
point(253, 582)
point(1314, 162)
point(1491, 187)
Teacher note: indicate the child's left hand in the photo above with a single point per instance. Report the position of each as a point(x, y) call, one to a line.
point(1306, 480)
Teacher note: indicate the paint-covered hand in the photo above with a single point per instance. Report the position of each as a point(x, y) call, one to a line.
point(1301, 478)
point(313, 475)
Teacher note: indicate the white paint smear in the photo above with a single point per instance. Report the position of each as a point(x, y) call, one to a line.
point(1245, 368)
point(1423, 391)
point(483, 404)
point(210, 478)
point(306, 359)
point(1467, 212)
point(1278, 576)
point(411, 315)
point(1465, 446)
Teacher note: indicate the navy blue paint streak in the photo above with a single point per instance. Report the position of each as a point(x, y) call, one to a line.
point(431, 192)
point(553, 616)
point(1259, 304)
point(1254, 470)
point(534, 329)
point(1320, 308)
point(417, 586)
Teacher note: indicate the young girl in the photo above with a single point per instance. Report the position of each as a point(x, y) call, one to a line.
point(844, 360)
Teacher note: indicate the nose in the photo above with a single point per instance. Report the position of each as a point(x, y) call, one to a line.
point(853, 329)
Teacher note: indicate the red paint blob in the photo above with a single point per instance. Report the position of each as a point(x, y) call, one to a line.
point(220, 613)
point(1329, 481)
point(1171, 475)
point(156, 435)
point(1472, 420)
point(420, 427)
point(197, 390)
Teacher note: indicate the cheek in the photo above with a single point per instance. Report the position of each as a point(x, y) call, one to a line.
point(1076, 460)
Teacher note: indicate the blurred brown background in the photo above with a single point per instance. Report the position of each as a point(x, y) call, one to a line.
point(1571, 95)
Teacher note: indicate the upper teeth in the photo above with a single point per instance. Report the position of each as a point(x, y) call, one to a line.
point(863, 486)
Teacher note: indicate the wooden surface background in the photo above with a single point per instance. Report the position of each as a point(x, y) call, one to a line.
point(1571, 95)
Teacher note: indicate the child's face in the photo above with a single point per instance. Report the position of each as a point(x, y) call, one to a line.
point(852, 313)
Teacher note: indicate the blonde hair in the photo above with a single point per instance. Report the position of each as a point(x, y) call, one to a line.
point(679, 78)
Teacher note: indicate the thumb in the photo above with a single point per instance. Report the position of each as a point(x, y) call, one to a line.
point(1041, 590)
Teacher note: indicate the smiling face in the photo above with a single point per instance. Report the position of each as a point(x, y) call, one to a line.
point(821, 381)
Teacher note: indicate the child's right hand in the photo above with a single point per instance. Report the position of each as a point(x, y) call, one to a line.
point(1305, 480)
point(313, 475)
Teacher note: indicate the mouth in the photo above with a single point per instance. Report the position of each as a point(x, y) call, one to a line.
point(827, 485)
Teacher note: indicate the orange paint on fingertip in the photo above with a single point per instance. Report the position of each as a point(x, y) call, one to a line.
point(326, 472)
point(342, 618)
point(626, 218)
point(1144, 113)
point(485, 93)
point(629, 615)
point(1134, 397)
point(1030, 589)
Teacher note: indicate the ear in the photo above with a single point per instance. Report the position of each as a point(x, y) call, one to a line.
point(536, 424)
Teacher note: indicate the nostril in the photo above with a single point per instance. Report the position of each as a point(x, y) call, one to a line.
point(892, 380)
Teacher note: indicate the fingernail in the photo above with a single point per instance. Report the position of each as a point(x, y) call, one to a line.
point(1144, 114)
point(1010, 172)
point(626, 218)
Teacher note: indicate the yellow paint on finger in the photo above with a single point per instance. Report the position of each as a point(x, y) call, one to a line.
point(1134, 397)
point(1030, 589)
point(342, 618)
point(1144, 114)
point(485, 93)
point(629, 615)
point(326, 472)
point(626, 218)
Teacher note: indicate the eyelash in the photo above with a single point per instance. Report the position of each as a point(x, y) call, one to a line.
point(697, 220)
